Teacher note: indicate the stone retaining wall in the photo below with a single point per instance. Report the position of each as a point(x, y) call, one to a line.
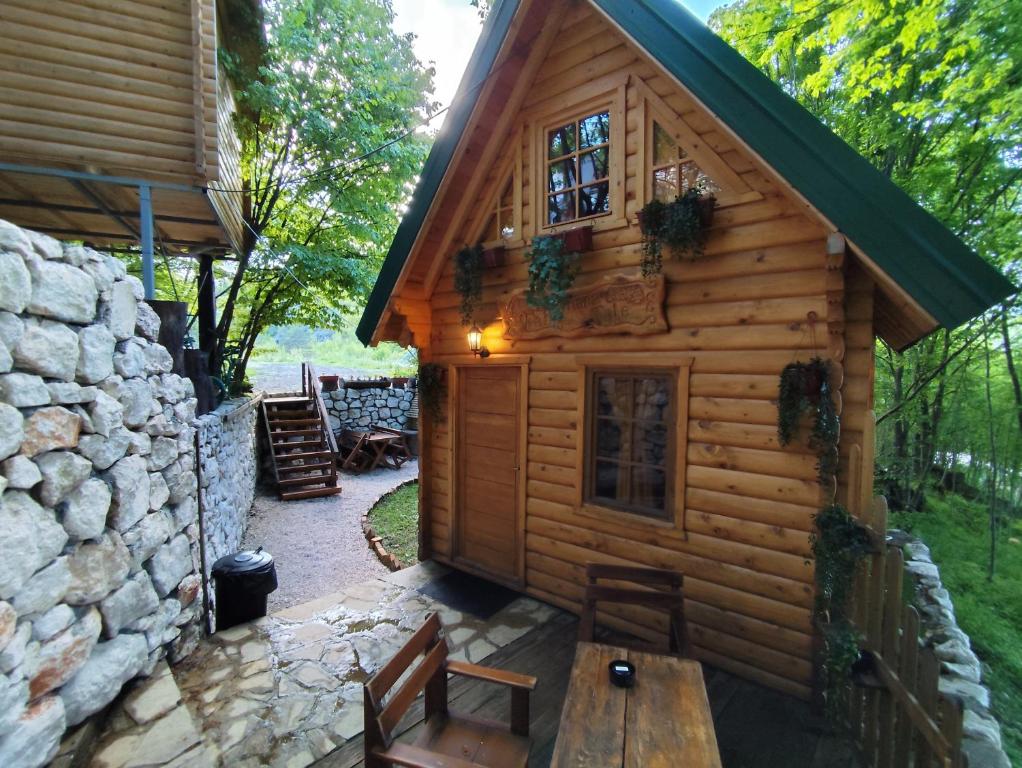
point(228, 468)
point(98, 534)
point(358, 408)
point(961, 674)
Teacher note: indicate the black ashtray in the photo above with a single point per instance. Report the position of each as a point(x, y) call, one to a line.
point(622, 673)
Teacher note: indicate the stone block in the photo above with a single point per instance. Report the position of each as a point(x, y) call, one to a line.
point(13, 655)
point(8, 623)
point(49, 429)
point(70, 393)
point(31, 539)
point(171, 563)
point(106, 413)
point(129, 363)
point(23, 390)
point(62, 292)
point(35, 738)
point(13, 700)
point(49, 247)
point(154, 697)
point(109, 667)
point(58, 660)
point(141, 444)
point(157, 359)
point(130, 482)
point(16, 287)
point(95, 354)
point(147, 322)
point(97, 569)
point(55, 620)
point(134, 600)
point(12, 430)
point(164, 451)
point(134, 397)
point(62, 472)
point(47, 348)
point(121, 314)
point(44, 589)
point(104, 452)
point(143, 539)
point(83, 513)
point(159, 492)
point(21, 472)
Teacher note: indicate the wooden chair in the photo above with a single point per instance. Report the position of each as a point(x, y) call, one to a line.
point(447, 740)
point(672, 601)
point(353, 451)
point(397, 452)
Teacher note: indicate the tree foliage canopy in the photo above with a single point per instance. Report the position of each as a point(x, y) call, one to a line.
point(329, 153)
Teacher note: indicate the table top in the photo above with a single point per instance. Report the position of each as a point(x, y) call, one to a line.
point(663, 720)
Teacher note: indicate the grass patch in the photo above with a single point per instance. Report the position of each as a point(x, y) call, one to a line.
point(395, 518)
point(990, 612)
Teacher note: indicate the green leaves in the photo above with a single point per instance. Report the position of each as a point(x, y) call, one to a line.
point(468, 280)
point(551, 274)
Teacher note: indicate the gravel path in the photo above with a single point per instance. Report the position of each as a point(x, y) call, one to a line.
point(317, 544)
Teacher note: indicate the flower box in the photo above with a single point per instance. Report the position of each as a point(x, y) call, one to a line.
point(578, 240)
point(495, 257)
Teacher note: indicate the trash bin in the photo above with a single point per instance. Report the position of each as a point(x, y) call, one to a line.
point(243, 580)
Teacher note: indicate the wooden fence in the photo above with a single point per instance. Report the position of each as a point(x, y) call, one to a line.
point(897, 714)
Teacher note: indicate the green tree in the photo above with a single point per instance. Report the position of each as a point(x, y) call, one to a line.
point(329, 148)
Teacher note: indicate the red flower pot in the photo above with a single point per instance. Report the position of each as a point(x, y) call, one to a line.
point(329, 383)
point(495, 257)
point(706, 207)
point(578, 240)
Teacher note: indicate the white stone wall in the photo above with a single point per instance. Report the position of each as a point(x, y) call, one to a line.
point(228, 466)
point(98, 534)
point(961, 673)
point(358, 408)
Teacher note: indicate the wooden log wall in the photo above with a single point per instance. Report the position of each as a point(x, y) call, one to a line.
point(760, 298)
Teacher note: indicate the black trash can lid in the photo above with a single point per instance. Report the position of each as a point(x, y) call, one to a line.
point(247, 561)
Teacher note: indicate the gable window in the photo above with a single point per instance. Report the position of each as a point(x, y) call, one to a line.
point(631, 440)
point(673, 171)
point(578, 169)
point(501, 225)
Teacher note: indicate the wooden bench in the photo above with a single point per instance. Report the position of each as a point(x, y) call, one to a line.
point(447, 740)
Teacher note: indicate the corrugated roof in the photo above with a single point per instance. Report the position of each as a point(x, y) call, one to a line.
point(943, 275)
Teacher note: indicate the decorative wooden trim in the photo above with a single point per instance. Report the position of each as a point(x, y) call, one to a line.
point(616, 304)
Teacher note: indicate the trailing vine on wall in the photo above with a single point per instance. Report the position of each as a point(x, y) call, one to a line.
point(806, 387)
point(468, 279)
point(680, 225)
point(839, 543)
point(432, 386)
point(551, 275)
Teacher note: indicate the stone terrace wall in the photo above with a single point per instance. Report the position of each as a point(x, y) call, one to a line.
point(228, 466)
point(98, 535)
point(960, 671)
point(358, 408)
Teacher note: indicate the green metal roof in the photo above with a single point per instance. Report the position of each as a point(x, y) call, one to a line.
point(945, 277)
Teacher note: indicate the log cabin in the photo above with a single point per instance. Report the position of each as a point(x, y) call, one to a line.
point(117, 125)
point(642, 428)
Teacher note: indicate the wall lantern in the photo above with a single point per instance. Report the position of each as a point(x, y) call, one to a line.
point(475, 342)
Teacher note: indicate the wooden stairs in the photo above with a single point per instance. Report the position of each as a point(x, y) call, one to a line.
point(302, 445)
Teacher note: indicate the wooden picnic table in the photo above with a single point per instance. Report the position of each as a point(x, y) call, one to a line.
point(663, 720)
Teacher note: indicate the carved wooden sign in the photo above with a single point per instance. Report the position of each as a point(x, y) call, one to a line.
point(618, 304)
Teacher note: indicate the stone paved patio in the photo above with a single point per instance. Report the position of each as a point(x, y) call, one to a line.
point(287, 690)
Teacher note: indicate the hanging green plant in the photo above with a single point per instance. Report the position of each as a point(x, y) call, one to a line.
point(551, 275)
point(432, 389)
point(839, 545)
point(680, 225)
point(468, 279)
point(804, 387)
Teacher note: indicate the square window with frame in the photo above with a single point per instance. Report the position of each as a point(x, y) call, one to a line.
point(577, 168)
point(631, 440)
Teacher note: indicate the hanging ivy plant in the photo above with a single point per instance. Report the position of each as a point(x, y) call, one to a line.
point(804, 387)
point(551, 274)
point(468, 279)
point(432, 389)
point(839, 544)
point(680, 225)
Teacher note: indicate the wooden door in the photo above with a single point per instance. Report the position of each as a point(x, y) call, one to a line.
point(488, 476)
